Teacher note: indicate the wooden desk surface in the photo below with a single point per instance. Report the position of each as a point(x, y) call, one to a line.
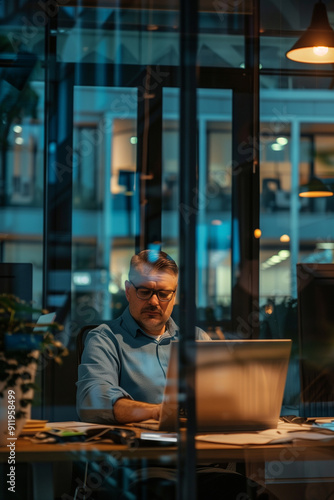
point(256, 458)
point(26, 451)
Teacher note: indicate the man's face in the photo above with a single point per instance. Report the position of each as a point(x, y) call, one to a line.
point(151, 314)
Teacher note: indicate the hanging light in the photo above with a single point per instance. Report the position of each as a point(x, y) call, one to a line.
point(315, 188)
point(316, 45)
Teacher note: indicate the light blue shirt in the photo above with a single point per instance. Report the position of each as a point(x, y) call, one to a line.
point(121, 360)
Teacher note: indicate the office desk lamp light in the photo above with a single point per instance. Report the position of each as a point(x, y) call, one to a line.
point(316, 45)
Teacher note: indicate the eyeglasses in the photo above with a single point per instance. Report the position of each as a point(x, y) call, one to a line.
point(146, 293)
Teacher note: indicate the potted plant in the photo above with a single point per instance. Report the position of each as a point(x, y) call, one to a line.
point(21, 343)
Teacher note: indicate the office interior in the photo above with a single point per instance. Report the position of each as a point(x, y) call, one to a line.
point(114, 140)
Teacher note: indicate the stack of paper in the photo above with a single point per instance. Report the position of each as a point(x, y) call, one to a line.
point(285, 433)
point(32, 426)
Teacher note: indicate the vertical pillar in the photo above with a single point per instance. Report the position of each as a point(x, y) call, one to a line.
point(294, 204)
point(187, 228)
point(149, 161)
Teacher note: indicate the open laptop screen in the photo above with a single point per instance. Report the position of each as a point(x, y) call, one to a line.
point(239, 384)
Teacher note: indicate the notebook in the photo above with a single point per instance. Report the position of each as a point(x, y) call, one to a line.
point(239, 385)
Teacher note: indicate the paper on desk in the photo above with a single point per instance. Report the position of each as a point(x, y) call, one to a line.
point(269, 436)
point(77, 426)
point(31, 427)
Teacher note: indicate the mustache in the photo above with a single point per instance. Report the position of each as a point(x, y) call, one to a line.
point(151, 309)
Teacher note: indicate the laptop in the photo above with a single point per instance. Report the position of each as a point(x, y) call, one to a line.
point(239, 385)
point(29, 342)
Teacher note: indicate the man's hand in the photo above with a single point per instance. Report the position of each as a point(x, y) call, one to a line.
point(127, 411)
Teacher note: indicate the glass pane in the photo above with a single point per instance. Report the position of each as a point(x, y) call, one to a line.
point(104, 197)
point(22, 149)
point(211, 204)
point(295, 147)
point(123, 36)
point(215, 218)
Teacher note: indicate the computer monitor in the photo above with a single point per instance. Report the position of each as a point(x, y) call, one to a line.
point(315, 285)
point(16, 279)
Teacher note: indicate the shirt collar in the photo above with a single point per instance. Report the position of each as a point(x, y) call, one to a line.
point(133, 328)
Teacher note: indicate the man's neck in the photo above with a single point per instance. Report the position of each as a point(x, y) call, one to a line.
point(155, 333)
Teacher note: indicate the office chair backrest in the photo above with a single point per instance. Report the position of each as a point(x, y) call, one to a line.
point(80, 341)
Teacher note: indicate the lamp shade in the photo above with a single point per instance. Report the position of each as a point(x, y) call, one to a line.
point(316, 45)
point(315, 188)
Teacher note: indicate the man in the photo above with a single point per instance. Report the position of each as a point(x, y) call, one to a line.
point(123, 373)
point(123, 368)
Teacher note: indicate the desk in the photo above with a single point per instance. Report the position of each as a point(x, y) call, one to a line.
point(254, 457)
point(206, 452)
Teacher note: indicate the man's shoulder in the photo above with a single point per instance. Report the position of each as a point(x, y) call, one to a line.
point(122, 328)
point(107, 329)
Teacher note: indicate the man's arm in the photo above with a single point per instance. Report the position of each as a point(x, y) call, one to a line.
point(127, 411)
point(97, 386)
point(100, 399)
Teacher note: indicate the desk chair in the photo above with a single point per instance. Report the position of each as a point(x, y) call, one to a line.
point(80, 340)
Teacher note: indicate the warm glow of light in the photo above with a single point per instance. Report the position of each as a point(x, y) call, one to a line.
point(284, 238)
point(257, 233)
point(268, 309)
point(216, 222)
point(320, 51)
point(316, 194)
point(307, 55)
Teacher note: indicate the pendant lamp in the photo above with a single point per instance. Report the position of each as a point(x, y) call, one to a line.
point(316, 45)
point(315, 188)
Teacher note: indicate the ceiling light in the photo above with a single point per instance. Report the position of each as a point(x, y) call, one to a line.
point(325, 245)
point(276, 147)
point(316, 45)
point(315, 188)
point(285, 238)
point(284, 254)
point(283, 141)
point(242, 65)
point(82, 279)
point(113, 288)
point(265, 266)
point(275, 259)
